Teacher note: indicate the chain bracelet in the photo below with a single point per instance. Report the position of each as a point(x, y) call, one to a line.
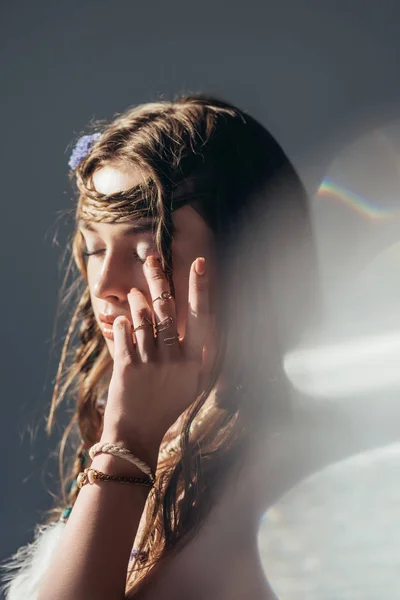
point(90, 475)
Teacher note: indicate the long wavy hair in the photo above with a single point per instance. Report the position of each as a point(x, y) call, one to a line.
point(201, 151)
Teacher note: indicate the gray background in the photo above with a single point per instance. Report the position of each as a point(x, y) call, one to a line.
point(317, 73)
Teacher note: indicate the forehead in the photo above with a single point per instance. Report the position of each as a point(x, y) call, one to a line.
point(110, 179)
point(120, 229)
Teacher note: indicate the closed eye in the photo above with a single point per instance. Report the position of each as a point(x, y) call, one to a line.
point(136, 256)
point(87, 253)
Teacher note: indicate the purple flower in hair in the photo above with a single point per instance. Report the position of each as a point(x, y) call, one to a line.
point(82, 149)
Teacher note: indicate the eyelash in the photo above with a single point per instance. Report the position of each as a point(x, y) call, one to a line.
point(135, 254)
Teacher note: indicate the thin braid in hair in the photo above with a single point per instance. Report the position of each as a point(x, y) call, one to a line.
point(88, 418)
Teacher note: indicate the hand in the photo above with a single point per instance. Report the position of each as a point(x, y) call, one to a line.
point(155, 378)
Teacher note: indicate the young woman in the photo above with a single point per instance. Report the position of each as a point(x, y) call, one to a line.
point(195, 263)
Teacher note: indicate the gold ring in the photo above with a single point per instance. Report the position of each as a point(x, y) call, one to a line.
point(164, 296)
point(170, 341)
point(164, 324)
point(145, 323)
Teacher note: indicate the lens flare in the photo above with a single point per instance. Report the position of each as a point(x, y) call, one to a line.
point(335, 535)
point(348, 368)
point(333, 190)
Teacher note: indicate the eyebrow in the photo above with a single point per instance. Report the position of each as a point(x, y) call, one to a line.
point(132, 230)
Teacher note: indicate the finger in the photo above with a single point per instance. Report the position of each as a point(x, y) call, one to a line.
point(198, 314)
point(143, 325)
point(124, 349)
point(163, 308)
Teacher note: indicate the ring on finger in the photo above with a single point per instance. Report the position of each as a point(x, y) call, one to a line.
point(145, 323)
point(164, 324)
point(170, 341)
point(164, 296)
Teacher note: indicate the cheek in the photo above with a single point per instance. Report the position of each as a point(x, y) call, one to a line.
point(91, 276)
point(92, 294)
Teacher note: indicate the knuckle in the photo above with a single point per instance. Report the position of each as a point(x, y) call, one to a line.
point(142, 313)
point(125, 359)
point(200, 285)
point(157, 275)
point(199, 308)
point(193, 311)
point(151, 361)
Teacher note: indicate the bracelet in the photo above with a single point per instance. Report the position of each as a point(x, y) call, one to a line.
point(90, 475)
point(119, 450)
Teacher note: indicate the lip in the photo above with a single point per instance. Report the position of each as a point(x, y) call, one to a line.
point(107, 321)
point(109, 318)
point(107, 330)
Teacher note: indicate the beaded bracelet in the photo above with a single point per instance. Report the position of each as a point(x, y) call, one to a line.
point(90, 475)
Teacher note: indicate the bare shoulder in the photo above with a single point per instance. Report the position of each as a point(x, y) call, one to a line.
point(221, 562)
point(206, 576)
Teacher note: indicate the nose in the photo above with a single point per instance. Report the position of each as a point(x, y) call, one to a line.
point(116, 277)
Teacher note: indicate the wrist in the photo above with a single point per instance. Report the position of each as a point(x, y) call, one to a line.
point(146, 451)
point(115, 465)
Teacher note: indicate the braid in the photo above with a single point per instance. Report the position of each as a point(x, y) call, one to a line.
point(88, 415)
point(91, 340)
point(90, 362)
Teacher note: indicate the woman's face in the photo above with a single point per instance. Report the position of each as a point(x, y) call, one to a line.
point(121, 249)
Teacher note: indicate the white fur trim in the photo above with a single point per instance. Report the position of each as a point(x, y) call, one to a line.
point(23, 571)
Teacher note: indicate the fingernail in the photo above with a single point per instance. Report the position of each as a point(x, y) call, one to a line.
point(119, 322)
point(152, 262)
point(200, 266)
